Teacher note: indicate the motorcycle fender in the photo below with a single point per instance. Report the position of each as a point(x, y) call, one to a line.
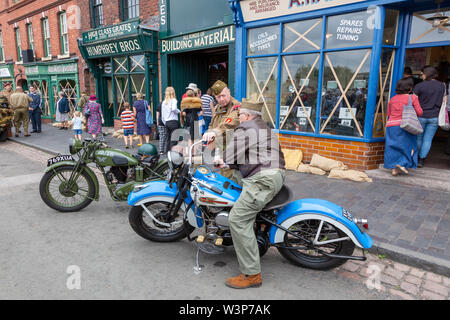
point(85, 168)
point(157, 191)
point(305, 209)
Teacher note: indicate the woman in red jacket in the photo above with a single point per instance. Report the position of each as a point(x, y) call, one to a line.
point(400, 151)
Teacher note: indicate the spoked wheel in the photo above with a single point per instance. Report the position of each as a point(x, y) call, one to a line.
point(326, 237)
point(165, 229)
point(65, 195)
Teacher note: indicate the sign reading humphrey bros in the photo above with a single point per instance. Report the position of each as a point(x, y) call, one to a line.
point(111, 32)
point(199, 40)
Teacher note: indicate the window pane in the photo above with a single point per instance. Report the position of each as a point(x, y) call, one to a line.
point(390, 27)
point(120, 65)
point(121, 83)
point(137, 63)
point(350, 30)
point(423, 30)
point(345, 72)
point(262, 85)
point(137, 85)
point(302, 35)
point(263, 40)
point(299, 78)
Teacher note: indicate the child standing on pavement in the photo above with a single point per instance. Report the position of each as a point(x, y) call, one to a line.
point(127, 117)
point(77, 124)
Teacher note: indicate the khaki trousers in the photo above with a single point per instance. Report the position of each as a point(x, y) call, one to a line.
point(257, 191)
point(21, 116)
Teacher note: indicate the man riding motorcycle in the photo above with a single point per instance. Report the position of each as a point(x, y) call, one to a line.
point(255, 150)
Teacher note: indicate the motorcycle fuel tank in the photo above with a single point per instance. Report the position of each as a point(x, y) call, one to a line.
point(112, 157)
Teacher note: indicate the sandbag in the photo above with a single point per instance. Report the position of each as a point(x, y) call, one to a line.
point(326, 164)
point(306, 168)
point(292, 158)
point(350, 175)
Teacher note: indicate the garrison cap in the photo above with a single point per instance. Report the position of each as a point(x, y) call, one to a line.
point(218, 86)
point(252, 105)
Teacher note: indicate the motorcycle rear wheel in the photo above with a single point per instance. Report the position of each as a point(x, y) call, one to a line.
point(310, 258)
point(57, 194)
point(147, 228)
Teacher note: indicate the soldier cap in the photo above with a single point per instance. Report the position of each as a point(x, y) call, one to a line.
point(252, 105)
point(218, 86)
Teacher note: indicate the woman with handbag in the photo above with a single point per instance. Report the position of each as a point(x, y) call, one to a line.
point(139, 107)
point(431, 93)
point(62, 111)
point(401, 152)
point(93, 112)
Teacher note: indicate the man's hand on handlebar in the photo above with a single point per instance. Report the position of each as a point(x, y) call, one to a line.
point(218, 163)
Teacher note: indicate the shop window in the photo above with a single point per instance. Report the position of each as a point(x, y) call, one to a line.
point(350, 30)
point(344, 92)
point(302, 35)
point(262, 85)
point(137, 63)
point(18, 44)
point(299, 83)
point(2, 51)
point(263, 41)
point(97, 13)
point(70, 90)
point(390, 27)
point(120, 65)
point(121, 92)
point(384, 92)
point(31, 38)
point(64, 33)
point(137, 86)
point(45, 99)
point(46, 37)
point(130, 9)
point(430, 26)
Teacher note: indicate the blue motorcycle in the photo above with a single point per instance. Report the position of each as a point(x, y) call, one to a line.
point(311, 233)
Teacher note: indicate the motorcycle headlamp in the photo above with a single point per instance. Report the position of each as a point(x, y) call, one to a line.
point(175, 159)
point(75, 146)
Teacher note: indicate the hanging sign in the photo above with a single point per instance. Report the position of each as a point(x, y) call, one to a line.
point(199, 40)
point(4, 73)
point(263, 9)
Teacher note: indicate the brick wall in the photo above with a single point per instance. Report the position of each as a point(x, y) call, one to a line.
point(356, 155)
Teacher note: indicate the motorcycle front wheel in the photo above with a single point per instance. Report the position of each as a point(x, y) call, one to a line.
point(330, 240)
point(63, 195)
point(145, 226)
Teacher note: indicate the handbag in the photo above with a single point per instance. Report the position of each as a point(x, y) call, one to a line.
point(148, 116)
point(443, 120)
point(87, 110)
point(410, 123)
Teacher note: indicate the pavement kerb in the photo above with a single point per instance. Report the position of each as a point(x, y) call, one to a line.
point(391, 252)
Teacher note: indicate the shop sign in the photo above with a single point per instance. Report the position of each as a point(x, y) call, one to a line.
point(199, 40)
point(110, 32)
point(63, 68)
point(114, 47)
point(4, 73)
point(29, 71)
point(263, 9)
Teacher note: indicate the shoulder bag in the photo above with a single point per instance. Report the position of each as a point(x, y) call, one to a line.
point(410, 123)
point(148, 116)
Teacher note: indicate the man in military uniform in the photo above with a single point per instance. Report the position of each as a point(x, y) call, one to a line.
point(255, 150)
point(225, 117)
point(7, 90)
point(20, 102)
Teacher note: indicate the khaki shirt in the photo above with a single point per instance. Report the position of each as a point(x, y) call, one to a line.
point(225, 118)
point(19, 100)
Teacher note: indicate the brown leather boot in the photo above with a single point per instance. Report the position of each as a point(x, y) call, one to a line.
point(244, 281)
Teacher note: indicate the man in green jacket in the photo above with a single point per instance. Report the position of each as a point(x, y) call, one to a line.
point(20, 102)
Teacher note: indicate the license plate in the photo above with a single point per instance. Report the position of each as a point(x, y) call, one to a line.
point(59, 159)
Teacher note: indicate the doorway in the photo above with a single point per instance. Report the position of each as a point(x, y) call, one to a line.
point(107, 101)
point(202, 67)
point(438, 57)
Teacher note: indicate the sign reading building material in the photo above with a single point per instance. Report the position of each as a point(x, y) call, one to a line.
point(199, 40)
point(263, 9)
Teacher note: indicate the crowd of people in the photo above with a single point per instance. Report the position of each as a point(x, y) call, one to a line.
point(405, 150)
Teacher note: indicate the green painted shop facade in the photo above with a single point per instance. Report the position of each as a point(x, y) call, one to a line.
point(124, 62)
point(197, 44)
point(52, 78)
point(6, 74)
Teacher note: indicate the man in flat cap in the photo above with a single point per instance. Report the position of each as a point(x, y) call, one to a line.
point(225, 117)
point(7, 90)
point(255, 150)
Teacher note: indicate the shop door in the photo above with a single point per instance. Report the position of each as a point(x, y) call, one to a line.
point(107, 102)
point(201, 67)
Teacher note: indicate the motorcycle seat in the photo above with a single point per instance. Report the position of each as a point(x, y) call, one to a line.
point(283, 197)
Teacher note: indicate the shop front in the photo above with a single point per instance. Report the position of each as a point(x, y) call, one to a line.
point(325, 70)
point(123, 60)
point(6, 75)
point(196, 47)
point(51, 78)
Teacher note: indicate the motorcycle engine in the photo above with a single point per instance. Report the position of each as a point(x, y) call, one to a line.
point(121, 174)
point(221, 220)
